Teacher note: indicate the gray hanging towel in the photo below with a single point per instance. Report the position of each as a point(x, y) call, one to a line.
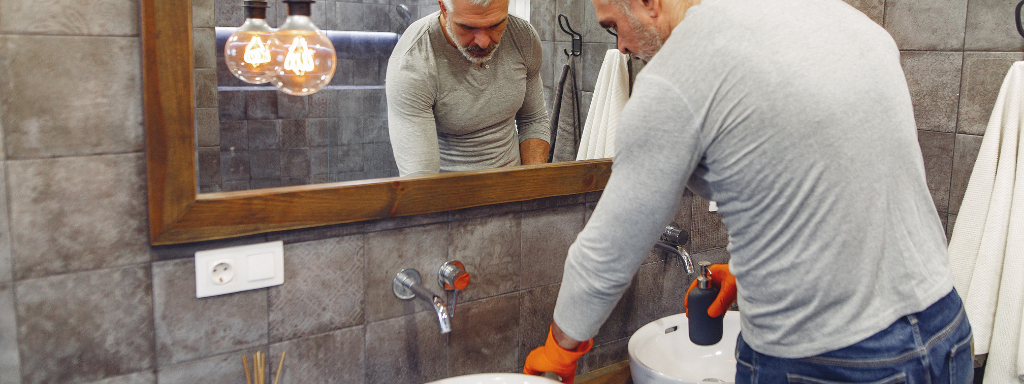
point(566, 128)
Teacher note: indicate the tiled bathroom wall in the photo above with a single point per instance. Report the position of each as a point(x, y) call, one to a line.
point(85, 299)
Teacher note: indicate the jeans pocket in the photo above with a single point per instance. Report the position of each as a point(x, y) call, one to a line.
point(961, 362)
point(801, 379)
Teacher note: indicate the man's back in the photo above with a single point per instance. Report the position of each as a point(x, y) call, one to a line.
point(795, 116)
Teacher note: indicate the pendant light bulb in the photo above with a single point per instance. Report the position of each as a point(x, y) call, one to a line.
point(302, 56)
point(247, 51)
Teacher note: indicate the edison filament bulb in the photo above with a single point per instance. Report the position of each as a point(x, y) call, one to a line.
point(247, 51)
point(302, 56)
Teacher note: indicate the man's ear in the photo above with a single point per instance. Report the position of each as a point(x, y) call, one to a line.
point(444, 11)
point(651, 8)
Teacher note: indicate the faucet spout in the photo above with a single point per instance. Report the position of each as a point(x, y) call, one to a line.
point(443, 320)
point(407, 284)
point(679, 252)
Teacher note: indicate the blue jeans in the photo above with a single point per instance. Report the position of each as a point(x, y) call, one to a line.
point(929, 347)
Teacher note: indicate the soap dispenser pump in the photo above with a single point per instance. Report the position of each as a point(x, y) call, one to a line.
point(704, 329)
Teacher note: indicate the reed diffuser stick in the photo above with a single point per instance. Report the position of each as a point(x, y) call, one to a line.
point(262, 367)
point(279, 365)
point(246, 366)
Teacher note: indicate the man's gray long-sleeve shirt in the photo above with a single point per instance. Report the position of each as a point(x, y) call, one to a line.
point(795, 116)
point(447, 114)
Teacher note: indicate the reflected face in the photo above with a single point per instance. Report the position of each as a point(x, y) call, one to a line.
point(635, 36)
point(474, 29)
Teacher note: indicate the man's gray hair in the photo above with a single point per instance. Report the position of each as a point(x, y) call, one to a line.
point(623, 5)
point(483, 3)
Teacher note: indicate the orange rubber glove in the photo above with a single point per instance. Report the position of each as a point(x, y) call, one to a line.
point(725, 282)
point(551, 357)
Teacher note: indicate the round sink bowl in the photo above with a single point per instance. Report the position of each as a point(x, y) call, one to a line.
point(495, 378)
point(661, 353)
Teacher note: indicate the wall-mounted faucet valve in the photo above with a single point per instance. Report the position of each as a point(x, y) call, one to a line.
point(452, 276)
point(672, 241)
point(408, 284)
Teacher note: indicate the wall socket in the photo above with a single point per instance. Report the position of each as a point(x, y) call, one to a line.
point(236, 269)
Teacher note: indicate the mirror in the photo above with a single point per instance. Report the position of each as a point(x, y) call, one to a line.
point(178, 213)
point(252, 136)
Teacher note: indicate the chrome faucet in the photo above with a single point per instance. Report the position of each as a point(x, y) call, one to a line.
point(672, 241)
point(408, 284)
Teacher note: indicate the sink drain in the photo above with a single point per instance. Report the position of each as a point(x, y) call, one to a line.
point(712, 380)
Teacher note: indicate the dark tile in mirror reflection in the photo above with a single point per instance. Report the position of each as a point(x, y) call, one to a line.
point(296, 163)
point(320, 103)
point(234, 166)
point(291, 107)
point(318, 161)
point(232, 104)
point(347, 158)
point(265, 164)
point(319, 131)
point(937, 149)
point(363, 17)
point(234, 135)
point(261, 104)
point(209, 166)
point(378, 157)
point(294, 134)
point(965, 153)
point(266, 183)
point(263, 134)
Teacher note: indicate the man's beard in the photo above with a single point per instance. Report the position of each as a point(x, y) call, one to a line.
point(648, 38)
point(474, 54)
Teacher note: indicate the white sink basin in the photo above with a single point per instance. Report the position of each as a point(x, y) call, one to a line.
point(495, 378)
point(658, 354)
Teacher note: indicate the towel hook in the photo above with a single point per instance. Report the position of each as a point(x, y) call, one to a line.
point(1016, 16)
point(577, 38)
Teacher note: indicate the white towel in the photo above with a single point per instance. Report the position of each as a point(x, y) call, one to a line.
point(610, 95)
point(986, 252)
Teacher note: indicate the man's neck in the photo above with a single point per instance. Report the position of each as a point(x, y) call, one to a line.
point(675, 11)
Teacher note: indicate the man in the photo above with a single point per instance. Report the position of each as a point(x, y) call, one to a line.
point(458, 83)
point(794, 115)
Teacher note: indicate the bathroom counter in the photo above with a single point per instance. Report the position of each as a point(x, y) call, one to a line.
point(617, 373)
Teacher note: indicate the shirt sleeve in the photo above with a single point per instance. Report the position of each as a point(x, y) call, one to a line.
point(532, 117)
point(657, 148)
point(411, 124)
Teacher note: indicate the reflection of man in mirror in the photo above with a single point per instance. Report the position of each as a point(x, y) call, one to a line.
point(459, 83)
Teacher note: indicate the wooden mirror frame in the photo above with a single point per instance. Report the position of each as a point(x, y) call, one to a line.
point(179, 214)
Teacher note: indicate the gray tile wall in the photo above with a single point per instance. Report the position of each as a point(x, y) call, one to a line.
point(83, 298)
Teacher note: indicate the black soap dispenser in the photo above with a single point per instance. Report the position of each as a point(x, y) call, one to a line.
point(704, 329)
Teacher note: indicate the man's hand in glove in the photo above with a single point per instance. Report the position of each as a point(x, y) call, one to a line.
point(725, 282)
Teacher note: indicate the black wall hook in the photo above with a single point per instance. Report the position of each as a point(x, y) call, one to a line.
point(577, 38)
point(1016, 17)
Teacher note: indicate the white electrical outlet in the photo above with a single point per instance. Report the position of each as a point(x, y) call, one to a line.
point(236, 269)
